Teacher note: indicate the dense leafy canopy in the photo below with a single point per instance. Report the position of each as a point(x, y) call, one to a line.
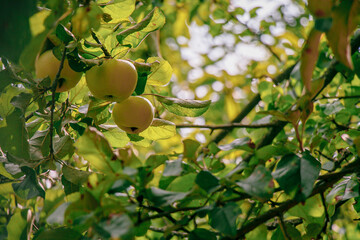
point(256, 132)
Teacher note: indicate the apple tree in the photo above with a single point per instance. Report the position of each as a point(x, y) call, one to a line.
point(247, 125)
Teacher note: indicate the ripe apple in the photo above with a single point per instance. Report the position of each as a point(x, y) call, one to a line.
point(47, 65)
point(114, 80)
point(134, 114)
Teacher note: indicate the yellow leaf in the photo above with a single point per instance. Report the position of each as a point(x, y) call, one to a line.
point(309, 57)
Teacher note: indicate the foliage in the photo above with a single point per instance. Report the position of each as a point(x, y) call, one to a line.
point(256, 132)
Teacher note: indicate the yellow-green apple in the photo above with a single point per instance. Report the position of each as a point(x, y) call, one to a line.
point(134, 114)
point(114, 80)
point(47, 65)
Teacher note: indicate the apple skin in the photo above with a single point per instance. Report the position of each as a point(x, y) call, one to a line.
point(47, 65)
point(114, 80)
point(134, 114)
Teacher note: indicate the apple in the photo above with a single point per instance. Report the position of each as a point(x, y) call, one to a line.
point(134, 114)
point(47, 65)
point(114, 80)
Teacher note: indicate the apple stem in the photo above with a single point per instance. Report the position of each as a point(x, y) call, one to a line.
point(52, 109)
point(106, 52)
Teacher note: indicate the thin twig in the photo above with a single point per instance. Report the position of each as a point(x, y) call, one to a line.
point(283, 227)
point(103, 48)
point(248, 214)
point(226, 126)
point(327, 217)
point(339, 97)
point(33, 113)
point(52, 109)
point(252, 104)
point(163, 230)
point(294, 222)
point(320, 187)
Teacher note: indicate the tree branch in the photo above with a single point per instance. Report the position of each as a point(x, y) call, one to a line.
point(252, 104)
point(319, 188)
point(52, 109)
point(103, 48)
point(329, 75)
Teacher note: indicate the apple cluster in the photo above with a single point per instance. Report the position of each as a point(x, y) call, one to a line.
point(114, 80)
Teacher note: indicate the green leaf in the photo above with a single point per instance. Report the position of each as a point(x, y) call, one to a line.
point(156, 160)
point(224, 218)
point(64, 34)
point(16, 227)
point(164, 198)
point(297, 175)
point(213, 148)
point(12, 18)
point(118, 227)
point(259, 183)
point(312, 230)
point(347, 189)
point(141, 83)
point(4, 169)
point(119, 186)
point(332, 108)
point(57, 216)
point(115, 136)
point(6, 188)
point(63, 146)
point(28, 56)
point(77, 63)
point(173, 168)
point(18, 161)
point(182, 183)
point(207, 181)
point(14, 138)
point(21, 101)
point(142, 228)
point(182, 107)
point(190, 148)
point(5, 80)
point(40, 144)
point(81, 208)
point(95, 149)
point(6, 107)
point(290, 230)
point(59, 234)
point(161, 71)
point(118, 9)
point(134, 35)
point(98, 110)
point(159, 129)
point(270, 151)
point(29, 187)
point(202, 234)
point(74, 175)
point(240, 143)
point(260, 232)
